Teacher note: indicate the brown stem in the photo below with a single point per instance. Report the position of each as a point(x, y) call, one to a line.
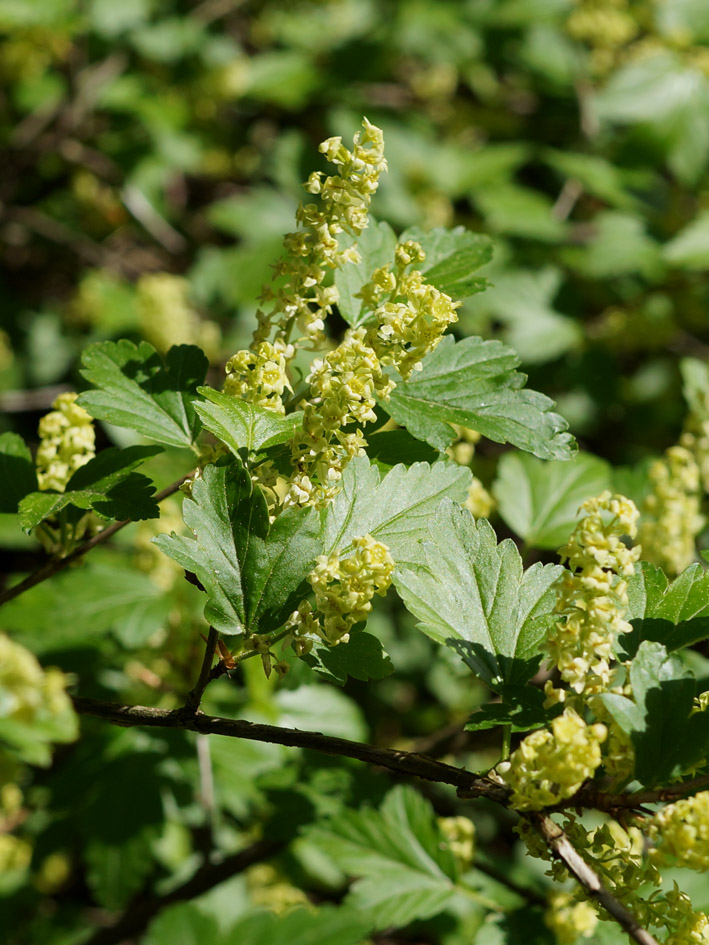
point(54, 565)
point(562, 848)
point(403, 762)
point(194, 697)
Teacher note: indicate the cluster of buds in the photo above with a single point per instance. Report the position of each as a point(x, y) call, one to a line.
point(259, 375)
point(410, 316)
point(66, 443)
point(345, 385)
point(344, 587)
point(593, 594)
point(550, 766)
point(313, 250)
point(681, 833)
point(671, 518)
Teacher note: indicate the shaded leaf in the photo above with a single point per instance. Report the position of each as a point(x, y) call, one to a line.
point(406, 870)
point(328, 926)
point(667, 738)
point(106, 484)
point(522, 708)
point(474, 383)
point(137, 389)
point(675, 614)
point(362, 657)
point(474, 596)
point(17, 472)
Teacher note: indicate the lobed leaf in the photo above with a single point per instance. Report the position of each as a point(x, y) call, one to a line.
point(474, 596)
point(474, 383)
point(137, 389)
point(244, 426)
point(106, 484)
point(250, 570)
point(452, 256)
point(395, 509)
point(540, 500)
point(405, 869)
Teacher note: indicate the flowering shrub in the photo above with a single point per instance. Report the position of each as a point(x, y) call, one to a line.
point(325, 469)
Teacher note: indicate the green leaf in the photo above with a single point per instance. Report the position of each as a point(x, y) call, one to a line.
point(392, 447)
point(540, 501)
point(522, 708)
point(363, 658)
point(17, 472)
point(330, 925)
point(474, 596)
point(689, 249)
point(474, 383)
point(452, 256)
point(82, 604)
point(252, 572)
point(675, 614)
point(405, 869)
point(376, 246)
point(523, 301)
point(667, 738)
point(695, 383)
point(139, 390)
point(395, 510)
point(106, 484)
point(185, 923)
point(241, 425)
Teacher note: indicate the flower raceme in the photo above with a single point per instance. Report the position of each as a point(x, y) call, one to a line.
point(550, 766)
point(671, 518)
point(405, 319)
point(344, 589)
point(66, 442)
point(593, 594)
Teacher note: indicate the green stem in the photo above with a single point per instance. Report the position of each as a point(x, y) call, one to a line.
point(506, 741)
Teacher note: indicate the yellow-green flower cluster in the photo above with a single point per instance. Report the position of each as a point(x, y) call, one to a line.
point(259, 375)
point(459, 833)
point(28, 692)
point(681, 833)
point(606, 26)
point(304, 299)
point(410, 316)
point(593, 593)
point(344, 587)
point(671, 518)
point(550, 766)
point(345, 384)
point(166, 314)
point(569, 918)
point(66, 443)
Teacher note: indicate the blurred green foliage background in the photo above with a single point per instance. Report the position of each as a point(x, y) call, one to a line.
point(152, 156)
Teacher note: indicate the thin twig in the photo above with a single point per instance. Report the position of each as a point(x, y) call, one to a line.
point(562, 848)
point(133, 922)
point(194, 697)
point(403, 762)
point(54, 565)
